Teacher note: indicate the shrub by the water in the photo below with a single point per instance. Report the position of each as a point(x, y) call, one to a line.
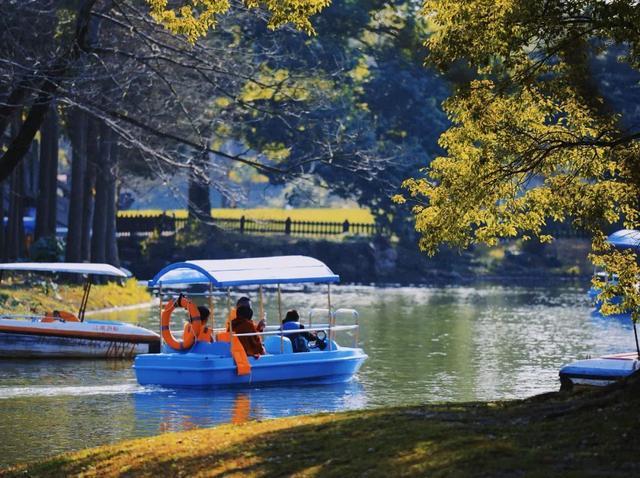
point(47, 249)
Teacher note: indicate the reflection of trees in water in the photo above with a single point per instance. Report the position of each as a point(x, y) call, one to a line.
point(420, 347)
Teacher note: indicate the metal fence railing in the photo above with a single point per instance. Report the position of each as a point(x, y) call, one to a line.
point(163, 224)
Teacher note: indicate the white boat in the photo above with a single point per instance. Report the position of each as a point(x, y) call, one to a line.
point(67, 335)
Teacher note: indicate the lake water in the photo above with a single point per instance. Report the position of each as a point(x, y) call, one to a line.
point(424, 345)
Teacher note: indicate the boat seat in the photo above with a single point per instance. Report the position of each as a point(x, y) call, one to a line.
point(213, 348)
point(61, 315)
point(272, 345)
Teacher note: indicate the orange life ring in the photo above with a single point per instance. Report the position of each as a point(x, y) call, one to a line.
point(165, 318)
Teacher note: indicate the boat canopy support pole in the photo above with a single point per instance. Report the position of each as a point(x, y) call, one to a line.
point(211, 304)
point(85, 298)
point(331, 317)
point(355, 332)
point(635, 333)
point(280, 319)
point(262, 315)
point(230, 328)
point(160, 298)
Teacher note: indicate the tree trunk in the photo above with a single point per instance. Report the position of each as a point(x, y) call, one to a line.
point(52, 189)
point(199, 206)
point(93, 138)
point(31, 176)
point(15, 225)
point(53, 77)
point(48, 177)
point(111, 248)
point(3, 249)
point(98, 236)
point(78, 135)
point(14, 103)
point(15, 230)
point(42, 207)
point(22, 142)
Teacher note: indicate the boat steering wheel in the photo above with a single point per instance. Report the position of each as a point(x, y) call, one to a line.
point(320, 342)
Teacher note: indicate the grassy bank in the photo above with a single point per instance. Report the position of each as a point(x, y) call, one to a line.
point(579, 435)
point(40, 296)
point(302, 214)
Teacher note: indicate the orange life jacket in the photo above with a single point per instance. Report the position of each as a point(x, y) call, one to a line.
point(190, 335)
point(205, 334)
point(60, 314)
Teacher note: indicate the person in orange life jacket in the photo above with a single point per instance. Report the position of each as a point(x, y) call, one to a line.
point(205, 334)
point(246, 302)
point(299, 340)
point(243, 324)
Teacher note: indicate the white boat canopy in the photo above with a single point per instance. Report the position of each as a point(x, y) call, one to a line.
point(625, 239)
point(69, 267)
point(250, 271)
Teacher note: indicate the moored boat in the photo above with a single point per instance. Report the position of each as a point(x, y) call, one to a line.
point(63, 334)
point(221, 364)
point(601, 371)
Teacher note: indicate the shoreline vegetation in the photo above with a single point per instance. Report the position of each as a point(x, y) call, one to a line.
point(371, 260)
point(38, 296)
point(555, 434)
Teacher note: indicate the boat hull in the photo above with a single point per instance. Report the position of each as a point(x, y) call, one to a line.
point(600, 371)
point(89, 339)
point(196, 370)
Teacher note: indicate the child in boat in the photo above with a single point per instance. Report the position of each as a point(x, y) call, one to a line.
point(243, 324)
point(205, 334)
point(299, 341)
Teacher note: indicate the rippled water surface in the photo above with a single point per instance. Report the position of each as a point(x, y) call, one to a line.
point(424, 345)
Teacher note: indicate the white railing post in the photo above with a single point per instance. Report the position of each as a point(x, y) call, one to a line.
point(211, 307)
point(330, 315)
point(280, 319)
point(160, 321)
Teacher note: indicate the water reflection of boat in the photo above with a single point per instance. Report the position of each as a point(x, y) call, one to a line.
point(224, 362)
point(175, 410)
point(60, 333)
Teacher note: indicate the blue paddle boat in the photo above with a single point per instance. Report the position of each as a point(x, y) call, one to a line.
point(598, 372)
point(605, 370)
point(219, 364)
